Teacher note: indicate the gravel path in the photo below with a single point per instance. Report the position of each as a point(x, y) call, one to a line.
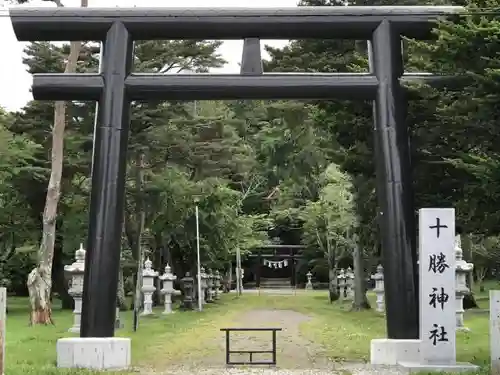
point(296, 355)
point(364, 370)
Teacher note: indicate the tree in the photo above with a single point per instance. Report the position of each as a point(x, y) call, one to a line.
point(17, 155)
point(346, 126)
point(40, 278)
point(330, 222)
point(452, 129)
point(468, 137)
point(485, 256)
point(34, 121)
point(150, 119)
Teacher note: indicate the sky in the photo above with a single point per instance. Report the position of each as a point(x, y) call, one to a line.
point(15, 82)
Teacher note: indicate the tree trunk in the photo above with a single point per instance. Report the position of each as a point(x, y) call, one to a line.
point(128, 231)
point(121, 299)
point(470, 278)
point(468, 256)
point(138, 242)
point(470, 302)
point(60, 279)
point(360, 301)
point(480, 276)
point(229, 277)
point(40, 278)
point(158, 265)
point(332, 276)
point(168, 253)
point(67, 302)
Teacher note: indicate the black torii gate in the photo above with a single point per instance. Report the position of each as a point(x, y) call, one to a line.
point(116, 86)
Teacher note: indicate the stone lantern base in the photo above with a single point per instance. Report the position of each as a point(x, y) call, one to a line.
point(95, 353)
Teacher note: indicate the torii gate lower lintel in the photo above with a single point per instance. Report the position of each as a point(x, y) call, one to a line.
point(115, 87)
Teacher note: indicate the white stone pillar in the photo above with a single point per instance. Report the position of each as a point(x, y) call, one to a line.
point(148, 286)
point(462, 269)
point(309, 285)
point(437, 285)
point(379, 288)
point(76, 271)
point(167, 289)
point(495, 331)
point(3, 331)
point(435, 351)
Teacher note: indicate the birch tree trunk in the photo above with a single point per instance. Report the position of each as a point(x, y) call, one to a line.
point(39, 281)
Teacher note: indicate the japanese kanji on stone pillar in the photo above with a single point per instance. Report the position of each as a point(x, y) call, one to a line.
point(437, 292)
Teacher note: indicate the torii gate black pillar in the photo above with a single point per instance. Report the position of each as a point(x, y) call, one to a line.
point(108, 187)
point(393, 170)
point(115, 87)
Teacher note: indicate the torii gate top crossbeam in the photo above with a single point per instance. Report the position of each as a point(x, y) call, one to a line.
point(357, 22)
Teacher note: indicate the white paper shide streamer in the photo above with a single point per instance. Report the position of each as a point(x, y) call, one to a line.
point(276, 263)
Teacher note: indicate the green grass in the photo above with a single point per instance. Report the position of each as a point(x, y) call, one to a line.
point(159, 340)
point(162, 341)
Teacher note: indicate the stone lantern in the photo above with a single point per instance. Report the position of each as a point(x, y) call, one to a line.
point(378, 277)
point(217, 284)
point(309, 285)
point(462, 269)
point(167, 290)
point(76, 271)
point(350, 284)
point(118, 322)
point(341, 278)
point(242, 273)
point(148, 286)
point(210, 287)
point(187, 286)
point(204, 285)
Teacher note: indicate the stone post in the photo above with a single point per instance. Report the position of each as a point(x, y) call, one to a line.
point(350, 284)
point(77, 270)
point(187, 286)
point(217, 285)
point(309, 285)
point(148, 286)
point(167, 289)
point(341, 277)
point(378, 277)
point(210, 286)
point(204, 285)
point(462, 269)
